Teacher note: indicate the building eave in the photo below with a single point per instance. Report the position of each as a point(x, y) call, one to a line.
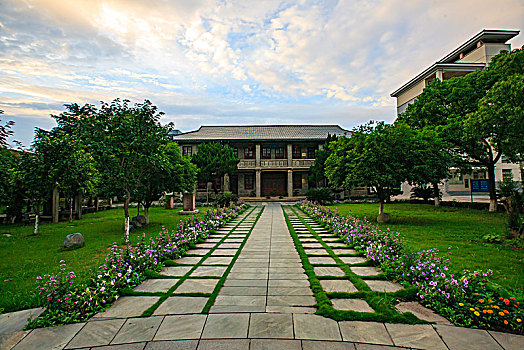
point(432, 69)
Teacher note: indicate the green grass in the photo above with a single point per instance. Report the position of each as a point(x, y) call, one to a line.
point(424, 227)
point(23, 256)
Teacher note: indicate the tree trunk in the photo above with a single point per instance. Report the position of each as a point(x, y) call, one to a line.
point(37, 218)
point(126, 219)
point(492, 188)
point(436, 193)
point(137, 208)
point(70, 210)
point(381, 207)
point(146, 214)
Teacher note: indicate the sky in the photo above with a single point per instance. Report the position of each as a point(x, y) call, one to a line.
point(247, 62)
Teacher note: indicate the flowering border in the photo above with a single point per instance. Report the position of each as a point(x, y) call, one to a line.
point(467, 298)
point(68, 301)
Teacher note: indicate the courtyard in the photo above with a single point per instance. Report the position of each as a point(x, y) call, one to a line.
point(245, 287)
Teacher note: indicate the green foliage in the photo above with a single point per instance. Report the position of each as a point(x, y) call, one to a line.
point(318, 170)
point(493, 238)
point(213, 161)
point(479, 116)
point(225, 199)
point(423, 192)
point(320, 195)
point(5, 131)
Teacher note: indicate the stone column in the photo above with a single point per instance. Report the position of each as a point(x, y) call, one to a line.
point(97, 203)
point(440, 74)
point(55, 204)
point(290, 183)
point(258, 184)
point(305, 185)
point(257, 155)
point(226, 183)
point(289, 155)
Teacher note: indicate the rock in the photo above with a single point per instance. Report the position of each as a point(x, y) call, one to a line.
point(384, 217)
point(73, 241)
point(141, 219)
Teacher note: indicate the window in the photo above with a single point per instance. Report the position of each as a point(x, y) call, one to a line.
point(297, 152)
point(466, 183)
point(187, 151)
point(311, 152)
point(279, 153)
point(266, 152)
point(506, 174)
point(297, 180)
point(249, 181)
point(505, 160)
point(249, 152)
point(235, 151)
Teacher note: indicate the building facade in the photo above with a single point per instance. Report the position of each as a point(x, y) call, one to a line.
point(474, 54)
point(274, 160)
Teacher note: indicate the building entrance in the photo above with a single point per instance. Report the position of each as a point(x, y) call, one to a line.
point(274, 183)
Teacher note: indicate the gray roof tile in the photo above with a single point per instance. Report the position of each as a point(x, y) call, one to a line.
point(262, 132)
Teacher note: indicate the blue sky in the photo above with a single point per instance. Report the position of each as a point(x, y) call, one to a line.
point(229, 62)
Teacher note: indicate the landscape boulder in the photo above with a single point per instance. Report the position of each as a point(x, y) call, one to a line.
point(73, 241)
point(138, 221)
point(383, 218)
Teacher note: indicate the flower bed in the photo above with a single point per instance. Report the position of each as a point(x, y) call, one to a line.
point(467, 299)
point(67, 301)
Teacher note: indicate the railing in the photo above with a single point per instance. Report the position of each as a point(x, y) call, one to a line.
point(275, 163)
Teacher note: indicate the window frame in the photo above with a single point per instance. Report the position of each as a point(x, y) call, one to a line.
point(249, 185)
point(249, 152)
point(185, 152)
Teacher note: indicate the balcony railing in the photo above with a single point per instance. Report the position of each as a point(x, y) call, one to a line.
point(276, 163)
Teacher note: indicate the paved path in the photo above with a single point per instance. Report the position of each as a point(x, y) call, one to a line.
point(264, 303)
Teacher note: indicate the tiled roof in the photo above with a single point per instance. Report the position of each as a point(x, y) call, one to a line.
point(262, 132)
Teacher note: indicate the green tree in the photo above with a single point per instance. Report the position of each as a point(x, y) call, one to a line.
point(213, 161)
point(376, 156)
point(6, 170)
point(68, 164)
point(174, 173)
point(477, 116)
point(31, 181)
point(318, 170)
point(121, 138)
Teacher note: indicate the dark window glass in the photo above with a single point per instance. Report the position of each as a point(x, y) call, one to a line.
point(297, 152)
point(235, 151)
point(249, 152)
point(266, 152)
point(311, 152)
point(187, 151)
point(218, 183)
point(249, 181)
point(279, 153)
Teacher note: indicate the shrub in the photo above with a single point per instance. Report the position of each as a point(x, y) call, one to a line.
point(320, 195)
point(423, 192)
point(466, 298)
point(225, 199)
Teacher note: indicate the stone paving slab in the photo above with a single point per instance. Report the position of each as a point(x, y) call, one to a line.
point(467, 339)
point(126, 307)
point(197, 286)
point(16, 321)
point(177, 271)
point(181, 305)
point(49, 338)
point(226, 326)
point(137, 330)
point(271, 326)
point(365, 332)
point(421, 312)
point(315, 327)
point(210, 271)
point(217, 260)
point(415, 336)
point(337, 286)
point(181, 327)
point(156, 285)
point(352, 259)
point(358, 305)
point(383, 286)
point(96, 333)
point(328, 271)
point(508, 341)
point(366, 270)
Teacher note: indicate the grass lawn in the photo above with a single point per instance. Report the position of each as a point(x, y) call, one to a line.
point(425, 227)
point(23, 256)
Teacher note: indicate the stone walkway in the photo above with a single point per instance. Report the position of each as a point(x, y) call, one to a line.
point(263, 301)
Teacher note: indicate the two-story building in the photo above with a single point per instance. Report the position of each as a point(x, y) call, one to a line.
point(475, 54)
point(274, 159)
